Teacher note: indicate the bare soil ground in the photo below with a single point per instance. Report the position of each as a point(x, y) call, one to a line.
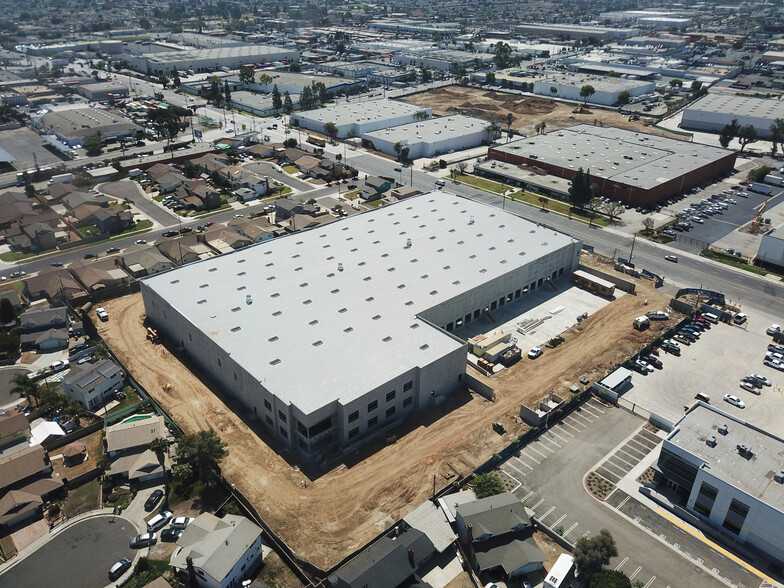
point(528, 111)
point(325, 515)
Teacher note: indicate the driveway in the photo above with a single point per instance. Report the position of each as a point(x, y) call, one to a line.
point(550, 475)
point(78, 557)
point(6, 375)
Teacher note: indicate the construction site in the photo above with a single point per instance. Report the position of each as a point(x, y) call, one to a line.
point(388, 477)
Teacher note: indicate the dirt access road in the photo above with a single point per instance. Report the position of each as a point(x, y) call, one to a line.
point(325, 515)
point(528, 111)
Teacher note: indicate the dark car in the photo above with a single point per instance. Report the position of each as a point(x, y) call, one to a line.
point(184, 230)
point(89, 255)
point(119, 568)
point(143, 540)
point(112, 250)
point(171, 535)
point(153, 500)
point(56, 264)
point(170, 234)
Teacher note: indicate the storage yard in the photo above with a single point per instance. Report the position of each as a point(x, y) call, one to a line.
point(528, 111)
point(383, 481)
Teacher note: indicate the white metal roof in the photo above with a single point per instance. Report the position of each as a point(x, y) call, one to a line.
point(312, 333)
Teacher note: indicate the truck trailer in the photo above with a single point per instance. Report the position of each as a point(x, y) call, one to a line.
point(760, 188)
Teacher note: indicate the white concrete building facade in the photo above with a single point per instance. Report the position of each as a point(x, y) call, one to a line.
point(710, 113)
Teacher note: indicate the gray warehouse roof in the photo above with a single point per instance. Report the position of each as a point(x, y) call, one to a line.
point(753, 475)
point(442, 128)
point(250, 51)
point(353, 289)
point(79, 122)
point(599, 83)
point(361, 112)
point(634, 158)
point(742, 105)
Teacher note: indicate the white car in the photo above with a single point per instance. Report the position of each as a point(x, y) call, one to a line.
point(773, 329)
point(761, 379)
point(673, 343)
point(180, 522)
point(102, 314)
point(734, 400)
point(159, 521)
point(697, 220)
point(776, 364)
point(748, 387)
point(534, 353)
point(740, 318)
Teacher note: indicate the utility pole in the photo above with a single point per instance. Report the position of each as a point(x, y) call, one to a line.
point(634, 240)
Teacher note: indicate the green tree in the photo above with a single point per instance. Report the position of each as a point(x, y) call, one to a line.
point(397, 147)
point(623, 97)
point(553, 90)
point(676, 83)
point(264, 79)
point(490, 77)
point(288, 105)
point(306, 98)
point(747, 135)
point(592, 554)
point(580, 192)
point(696, 86)
point(25, 388)
point(509, 121)
point(586, 92)
point(290, 143)
point(421, 115)
point(247, 74)
point(7, 312)
point(227, 92)
point(331, 130)
point(776, 135)
point(758, 174)
point(647, 225)
point(492, 131)
point(729, 132)
point(610, 579)
point(164, 80)
point(205, 449)
point(277, 101)
point(182, 473)
point(92, 143)
point(214, 90)
point(487, 485)
point(404, 153)
point(160, 447)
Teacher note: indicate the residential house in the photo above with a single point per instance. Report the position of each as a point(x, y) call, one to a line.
point(89, 384)
point(12, 295)
point(211, 162)
point(390, 562)
point(225, 240)
point(99, 274)
point(114, 219)
point(25, 482)
point(53, 284)
point(261, 151)
point(239, 177)
point(373, 188)
point(291, 154)
point(16, 211)
point(185, 249)
point(285, 208)
point(43, 319)
point(197, 195)
point(14, 428)
point(158, 170)
point(300, 222)
point(328, 170)
point(169, 182)
point(306, 163)
point(143, 260)
point(32, 234)
point(44, 341)
point(76, 199)
point(401, 193)
point(84, 215)
point(497, 535)
point(128, 446)
point(59, 190)
point(221, 552)
point(256, 229)
point(45, 430)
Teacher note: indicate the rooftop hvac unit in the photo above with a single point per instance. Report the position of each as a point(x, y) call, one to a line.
point(248, 299)
point(779, 477)
point(724, 429)
point(711, 441)
point(408, 243)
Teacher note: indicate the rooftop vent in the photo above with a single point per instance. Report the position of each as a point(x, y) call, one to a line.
point(408, 243)
point(779, 477)
point(340, 267)
point(745, 450)
point(711, 441)
point(248, 299)
point(723, 429)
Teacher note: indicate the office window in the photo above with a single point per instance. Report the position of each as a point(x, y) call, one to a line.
point(267, 405)
point(390, 411)
point(269, 421)
point(353, 416)
point(390, 396)
point(705, 499)
point(408, 401)
point(353, 432)
point(372, 422)
point(372, 406)
point(736, 516)
point(408, 386)
point(284, 432)
point(281, 416)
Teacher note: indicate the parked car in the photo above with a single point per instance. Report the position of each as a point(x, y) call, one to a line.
point(143, 540)
point(60, 365)
point(534, 353)
point(159, 521)
point(170, 234)
point(749, 387)
point(56, 264)
point(89, 255)
point(773, 329)
point(654, 361)
point(119, 568)
point(102, 314)
point(734, 400)
point(761, 379)
point(672, 258)
point(739, 318)
point(112, 250)
point(209, 224)
point(184, 230)
point(180, 522)
point(641, 367)
point(171, 535)
point(153, 500)
point(776, 364)
point(141, 242)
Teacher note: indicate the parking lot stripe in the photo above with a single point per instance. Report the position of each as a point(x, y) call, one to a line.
point(579, 418)
point(523, 463)
point(558, 522)
point(549, 510)
point(622, 503)
point(650, 582)
point(527, 496)
point(620, 565)
point(562, 423)
point(635, 572)
point(570, 529)
point(549, 439)
point(554, 434)
point(535, 450)
point(590, 410)
point(522, 473)
point(571, 426)
point(535, 506)
point(711, 544)
point(530, 457)
point(540, 443)
point(595, 405)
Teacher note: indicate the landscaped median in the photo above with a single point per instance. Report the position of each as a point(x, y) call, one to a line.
point(537, 200)
point(732, 260)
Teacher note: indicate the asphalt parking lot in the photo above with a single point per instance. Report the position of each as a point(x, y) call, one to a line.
point(714, 365)
point(28, 150)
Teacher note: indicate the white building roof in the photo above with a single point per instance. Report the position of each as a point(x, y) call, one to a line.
point(444, 128)
point(740, 105)
point(43, 430)
point(284, 304)
point(364, 112)
point(599, 83)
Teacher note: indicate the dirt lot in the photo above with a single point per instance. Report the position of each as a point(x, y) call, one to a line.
point(528, 111)
point(325, 515)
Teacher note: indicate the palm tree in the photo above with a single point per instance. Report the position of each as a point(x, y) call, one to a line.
point(492, 129)
point(160, 445)
point(205, 449)
point(25, 387)
point(543, 201)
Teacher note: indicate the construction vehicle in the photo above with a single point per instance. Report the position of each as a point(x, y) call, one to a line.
point(153, 336)
point(555, 341)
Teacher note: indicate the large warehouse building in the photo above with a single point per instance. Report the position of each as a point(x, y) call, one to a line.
point(201, 60)
point(729, 474)
point(358, 118)
point(606, 89)
point(333, 333)
point(713, 111)
point(432, 137)
point(630, 166)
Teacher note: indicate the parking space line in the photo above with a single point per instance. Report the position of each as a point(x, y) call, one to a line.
point(620, 565)
point(570, 529)
point(589, 410)
point(570, 425)
point(531, 456)
point(565, 432)
point(635, 572)
point(579, 417)
point(527, 496)
point(558, 522)
point(624, 464)
point(522, 473)
point(545, 437)
point(534, 507)
point(540, 443)
point(650, 582)
point(622, 503)
point(530, 467)
point(554, 434)
point(595, 405)
point(549, 510)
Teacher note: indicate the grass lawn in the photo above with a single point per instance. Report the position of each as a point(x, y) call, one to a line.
point(374, 203)
point(276, 574)
point(291, 169)
point(560, 207)
point(15, 256)
point(82, 499)
point(131, 397)
point(738, 262)
point(482, 183)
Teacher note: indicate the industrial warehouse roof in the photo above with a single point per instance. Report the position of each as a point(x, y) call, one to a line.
point(740, 105)
point(443, 128)
point(84, 121)
point(312, 333)
point(599, 83)
point(753, 474)
point(633, 158)
point(362, 112)
point(250, 51)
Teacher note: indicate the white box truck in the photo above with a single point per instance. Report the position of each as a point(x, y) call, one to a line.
point(641, 323)
point(61, 178)
point(760, 188)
